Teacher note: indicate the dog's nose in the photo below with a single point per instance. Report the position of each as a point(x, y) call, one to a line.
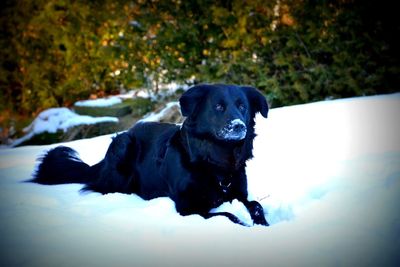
point(238, 127)
point(234, 130)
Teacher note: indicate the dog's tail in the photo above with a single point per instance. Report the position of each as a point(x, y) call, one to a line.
point(61, 165)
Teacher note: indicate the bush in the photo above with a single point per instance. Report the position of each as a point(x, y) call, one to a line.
point(54, 53)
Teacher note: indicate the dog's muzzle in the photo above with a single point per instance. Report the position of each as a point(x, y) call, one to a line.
point(235, 130)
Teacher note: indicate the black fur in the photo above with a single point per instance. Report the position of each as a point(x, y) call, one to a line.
point(199, 165)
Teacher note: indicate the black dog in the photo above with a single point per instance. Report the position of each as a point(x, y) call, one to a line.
point(199, 165)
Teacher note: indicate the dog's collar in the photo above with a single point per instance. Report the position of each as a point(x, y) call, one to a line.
point(223, 179)
point(225, 182)
point(224, 187)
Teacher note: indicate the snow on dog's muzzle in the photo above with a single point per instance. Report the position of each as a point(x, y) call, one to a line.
point(234, 130)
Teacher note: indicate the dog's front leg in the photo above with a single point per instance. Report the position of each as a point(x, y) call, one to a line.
point(230, 216)
point(192, 201)
point(256, 212)
point(255, 209)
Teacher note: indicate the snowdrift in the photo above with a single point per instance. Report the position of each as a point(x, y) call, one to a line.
point(327, 174)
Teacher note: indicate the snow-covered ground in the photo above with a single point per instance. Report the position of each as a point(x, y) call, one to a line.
point(327, 174)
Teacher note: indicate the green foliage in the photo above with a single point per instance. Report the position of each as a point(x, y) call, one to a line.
point(140, 106)
point(59, 51)
point(56, 52)
point(334, 49)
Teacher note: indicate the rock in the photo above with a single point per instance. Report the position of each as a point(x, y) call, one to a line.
point(73, 133)
point(171, 113)
point(117, 110)
point(136, 106)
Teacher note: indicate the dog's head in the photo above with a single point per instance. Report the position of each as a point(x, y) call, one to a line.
point(222, 112)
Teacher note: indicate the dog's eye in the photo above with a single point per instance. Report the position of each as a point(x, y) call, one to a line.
point(241, 107)
point(219, 107)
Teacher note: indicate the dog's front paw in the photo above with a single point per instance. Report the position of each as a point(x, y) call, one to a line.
point(260, 220)
point(257, 213)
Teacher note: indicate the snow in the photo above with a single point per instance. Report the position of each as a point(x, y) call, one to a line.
point(173, 87)
point(55, 119)
point(144, 93)
point(100, 102)
point(165, 90)
point(327, 174)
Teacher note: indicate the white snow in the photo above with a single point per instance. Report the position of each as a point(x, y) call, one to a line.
point(144, 93)
point(327, 174)
point(100, 102)
point(165, 90)
point(173, 87)
point(54, 119)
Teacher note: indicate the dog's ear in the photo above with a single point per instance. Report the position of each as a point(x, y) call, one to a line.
point(256, 100)
point(191, 98)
